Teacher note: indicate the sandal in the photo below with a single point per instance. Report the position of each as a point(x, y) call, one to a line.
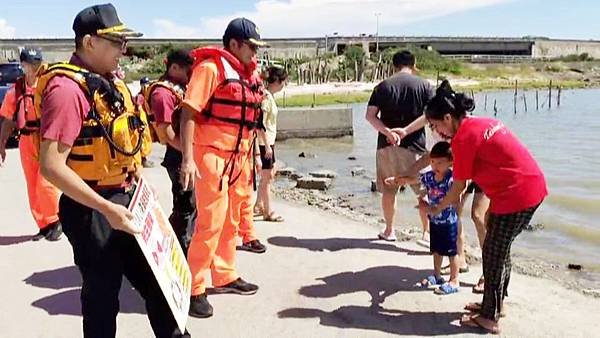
point(473, 321)
point(480, 286)
point(430, 281)
point(476, 307)
point(446, 289)
point(272, 217)
point(258, 210)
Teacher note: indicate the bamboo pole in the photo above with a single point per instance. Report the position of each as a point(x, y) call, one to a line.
point(525, 101)
point(550, 95)
point(516, 94)
point(495, 108)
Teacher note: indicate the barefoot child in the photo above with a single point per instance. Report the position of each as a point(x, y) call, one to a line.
point(444, 226)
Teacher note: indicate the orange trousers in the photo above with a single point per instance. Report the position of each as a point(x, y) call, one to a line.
point(43, 196)
point(221, 207)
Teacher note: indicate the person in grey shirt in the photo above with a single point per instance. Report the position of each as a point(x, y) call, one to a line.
point(394, 104)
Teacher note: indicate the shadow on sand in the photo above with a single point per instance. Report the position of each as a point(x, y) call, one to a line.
point(67, 280)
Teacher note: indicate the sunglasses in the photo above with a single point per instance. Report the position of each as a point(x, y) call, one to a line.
point(252, 46)
point(116, 42)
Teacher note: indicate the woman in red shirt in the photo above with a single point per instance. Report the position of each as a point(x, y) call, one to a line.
point(486, 152)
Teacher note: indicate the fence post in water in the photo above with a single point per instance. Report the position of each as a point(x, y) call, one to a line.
point(516, 94)
point(525, 101)
point(485, 103)
point(314, 102)
point(558, 98)
point(537, 99)
point(495, 108)
point(550, 95)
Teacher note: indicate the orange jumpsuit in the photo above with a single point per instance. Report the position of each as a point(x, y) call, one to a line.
point(223, 204)
point(43, 196)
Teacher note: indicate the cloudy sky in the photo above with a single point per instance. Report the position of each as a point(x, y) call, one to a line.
point(313, 18)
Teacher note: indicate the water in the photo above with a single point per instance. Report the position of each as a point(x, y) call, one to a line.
point(565, 140)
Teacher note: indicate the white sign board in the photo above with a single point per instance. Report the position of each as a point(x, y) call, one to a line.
point(162, 251)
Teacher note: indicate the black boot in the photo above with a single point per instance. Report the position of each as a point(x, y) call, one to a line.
point(54, 232)
point(200, 307)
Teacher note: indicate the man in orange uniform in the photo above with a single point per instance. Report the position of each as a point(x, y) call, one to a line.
point(18, 112)
point(220, 110)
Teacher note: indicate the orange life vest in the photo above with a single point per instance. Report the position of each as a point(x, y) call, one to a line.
point(177, 90)
point(24, 117)
point(237, 99)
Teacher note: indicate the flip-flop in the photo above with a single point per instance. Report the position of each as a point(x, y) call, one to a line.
point(446, 289)
point(476, 307)
point(479, 288)
point(471, 321)
point(423, 243)
point(390, 238)
point(273, 218)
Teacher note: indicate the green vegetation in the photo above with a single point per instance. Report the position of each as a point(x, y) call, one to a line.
point(310, 100)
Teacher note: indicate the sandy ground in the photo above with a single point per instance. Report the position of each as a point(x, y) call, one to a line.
point(322, 276)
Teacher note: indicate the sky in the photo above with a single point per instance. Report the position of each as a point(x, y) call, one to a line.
point(574, 19)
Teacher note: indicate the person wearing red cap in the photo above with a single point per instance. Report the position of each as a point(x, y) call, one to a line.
point(220, 111)
point(93, 156)
point(18, 112)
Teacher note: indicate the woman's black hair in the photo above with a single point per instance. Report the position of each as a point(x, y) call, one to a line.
point(446, 101)
point(274, 74)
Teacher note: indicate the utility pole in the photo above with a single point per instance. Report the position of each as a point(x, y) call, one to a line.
point(377, 33)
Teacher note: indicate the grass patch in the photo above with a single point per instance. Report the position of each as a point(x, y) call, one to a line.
point(308, 100)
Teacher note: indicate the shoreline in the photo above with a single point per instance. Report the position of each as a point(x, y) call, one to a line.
point(523, 264)
point(310, 95)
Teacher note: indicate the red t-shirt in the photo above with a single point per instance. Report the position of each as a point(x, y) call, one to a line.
point(64, 108)
point(163, 102)
point(491, 155)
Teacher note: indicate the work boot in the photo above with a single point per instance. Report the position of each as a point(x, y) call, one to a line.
point(54, 232)
point(200, 307)
point(239, 287)
point(254, 246)
point(41, 234)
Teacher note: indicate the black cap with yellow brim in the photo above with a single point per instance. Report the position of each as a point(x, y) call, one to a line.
point(102, 20)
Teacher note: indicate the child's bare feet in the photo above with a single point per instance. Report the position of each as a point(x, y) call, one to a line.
point(476, 320)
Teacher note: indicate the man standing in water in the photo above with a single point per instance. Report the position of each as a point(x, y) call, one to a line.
point(396, 103)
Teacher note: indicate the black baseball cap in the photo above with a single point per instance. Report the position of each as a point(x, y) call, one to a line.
point(102, 20)
point(244, 30)
point(30, 55)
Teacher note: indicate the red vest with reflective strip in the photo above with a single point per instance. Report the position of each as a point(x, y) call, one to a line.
point(238, 97)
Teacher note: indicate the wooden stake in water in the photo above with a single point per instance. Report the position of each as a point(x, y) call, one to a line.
point(537, 99)
point(485, 103)
point(516, 94)
point(558, 98)
point(495, 108)
point(550, 95)
point(525, 101)
point(314, 103)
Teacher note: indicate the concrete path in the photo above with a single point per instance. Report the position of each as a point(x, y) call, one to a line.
point(322, 276)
